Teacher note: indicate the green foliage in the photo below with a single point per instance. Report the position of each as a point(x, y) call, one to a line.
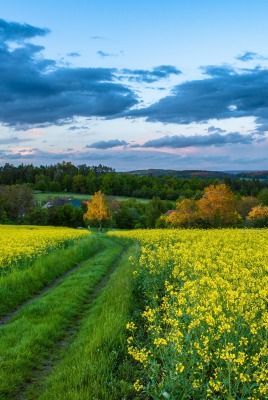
point(86, 180)
point(154, 209)
point(102, 368)
point(37, 216)
point(15, 288)
point(263, 197)
point(15, 201)
point(90, 179)
point(34, 331)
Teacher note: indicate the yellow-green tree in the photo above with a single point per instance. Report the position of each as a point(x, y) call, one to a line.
point(186, 214)
point(97, 210)
point(259, 216)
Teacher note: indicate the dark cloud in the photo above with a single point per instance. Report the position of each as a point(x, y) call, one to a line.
point(150, 76)
point(218, 71)
point(224, 94)
point(107, 144)
point(104, 54)
point(74, 54)
point(77, 128)
point(215, 130)
point(14, 140)
point(249, 56)
point(16, 32)
point(214, 139)
point(137, 159)
point(36, 91)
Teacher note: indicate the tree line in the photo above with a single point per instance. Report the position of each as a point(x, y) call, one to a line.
point(86, 179)
point(217, 208)
point(173, 201)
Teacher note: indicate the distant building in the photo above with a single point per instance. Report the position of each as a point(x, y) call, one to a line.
point(62, 202)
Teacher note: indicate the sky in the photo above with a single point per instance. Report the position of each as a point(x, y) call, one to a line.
point(141, 84)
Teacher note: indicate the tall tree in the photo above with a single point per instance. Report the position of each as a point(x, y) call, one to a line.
point(16, 201)
point(218, 206)
point(263, 197)
point(98, 210)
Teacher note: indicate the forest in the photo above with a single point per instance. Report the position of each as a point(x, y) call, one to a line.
point(164, 194)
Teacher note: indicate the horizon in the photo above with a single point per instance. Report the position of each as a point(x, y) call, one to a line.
point(155, 86)
point(230, 171)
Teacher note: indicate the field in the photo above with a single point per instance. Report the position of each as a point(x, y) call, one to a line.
point(19, 245)
point(42, 197)
point(145, 314)
point(202, 329)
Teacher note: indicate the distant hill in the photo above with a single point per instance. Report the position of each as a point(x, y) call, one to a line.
point(253, 175)
point(182, 174)
point(201, 173)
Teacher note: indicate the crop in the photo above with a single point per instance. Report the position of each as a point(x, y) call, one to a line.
point(201, 331)
point(20, 245)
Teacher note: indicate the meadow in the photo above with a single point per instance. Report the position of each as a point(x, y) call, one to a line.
point(143, 314)
point(42, 197)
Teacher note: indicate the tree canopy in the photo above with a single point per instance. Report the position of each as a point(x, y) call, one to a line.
point(218, 207)
point(98, 209)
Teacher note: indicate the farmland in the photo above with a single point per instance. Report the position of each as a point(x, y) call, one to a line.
point(202, 329)
point(143, 314)
point(21, 244)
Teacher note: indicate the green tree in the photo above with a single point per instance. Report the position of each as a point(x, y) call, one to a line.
point(16, 201)
point(154, 209)
point(37, 216)
point(263, 197)
point(79, 182)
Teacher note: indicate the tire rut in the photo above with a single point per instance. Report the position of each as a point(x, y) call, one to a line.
point(40, 373)
point(6, 318)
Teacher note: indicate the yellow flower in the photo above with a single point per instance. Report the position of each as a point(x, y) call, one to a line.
point(137, 386)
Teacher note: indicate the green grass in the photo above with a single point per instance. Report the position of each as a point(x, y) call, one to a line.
point(96, 366)
point(46, 196)
point(32, 334)
point(21, 284)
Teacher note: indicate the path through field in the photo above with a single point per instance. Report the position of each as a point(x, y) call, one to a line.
point(51, 346)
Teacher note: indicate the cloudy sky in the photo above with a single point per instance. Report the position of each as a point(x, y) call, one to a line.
point(171, 84)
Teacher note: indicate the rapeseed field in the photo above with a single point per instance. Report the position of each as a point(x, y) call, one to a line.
point(202, 327)
point(22, 244)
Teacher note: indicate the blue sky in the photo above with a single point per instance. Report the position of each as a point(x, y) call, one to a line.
point(135, 84)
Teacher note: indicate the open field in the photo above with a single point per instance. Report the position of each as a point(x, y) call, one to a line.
point(57, 306)
point(19, 245)
point(146, 314)
point(202, 329)
point(46, 196)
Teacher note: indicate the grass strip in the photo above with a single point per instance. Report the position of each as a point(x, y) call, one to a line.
point(95, 365)
point(20, 285)
point(30, 336)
